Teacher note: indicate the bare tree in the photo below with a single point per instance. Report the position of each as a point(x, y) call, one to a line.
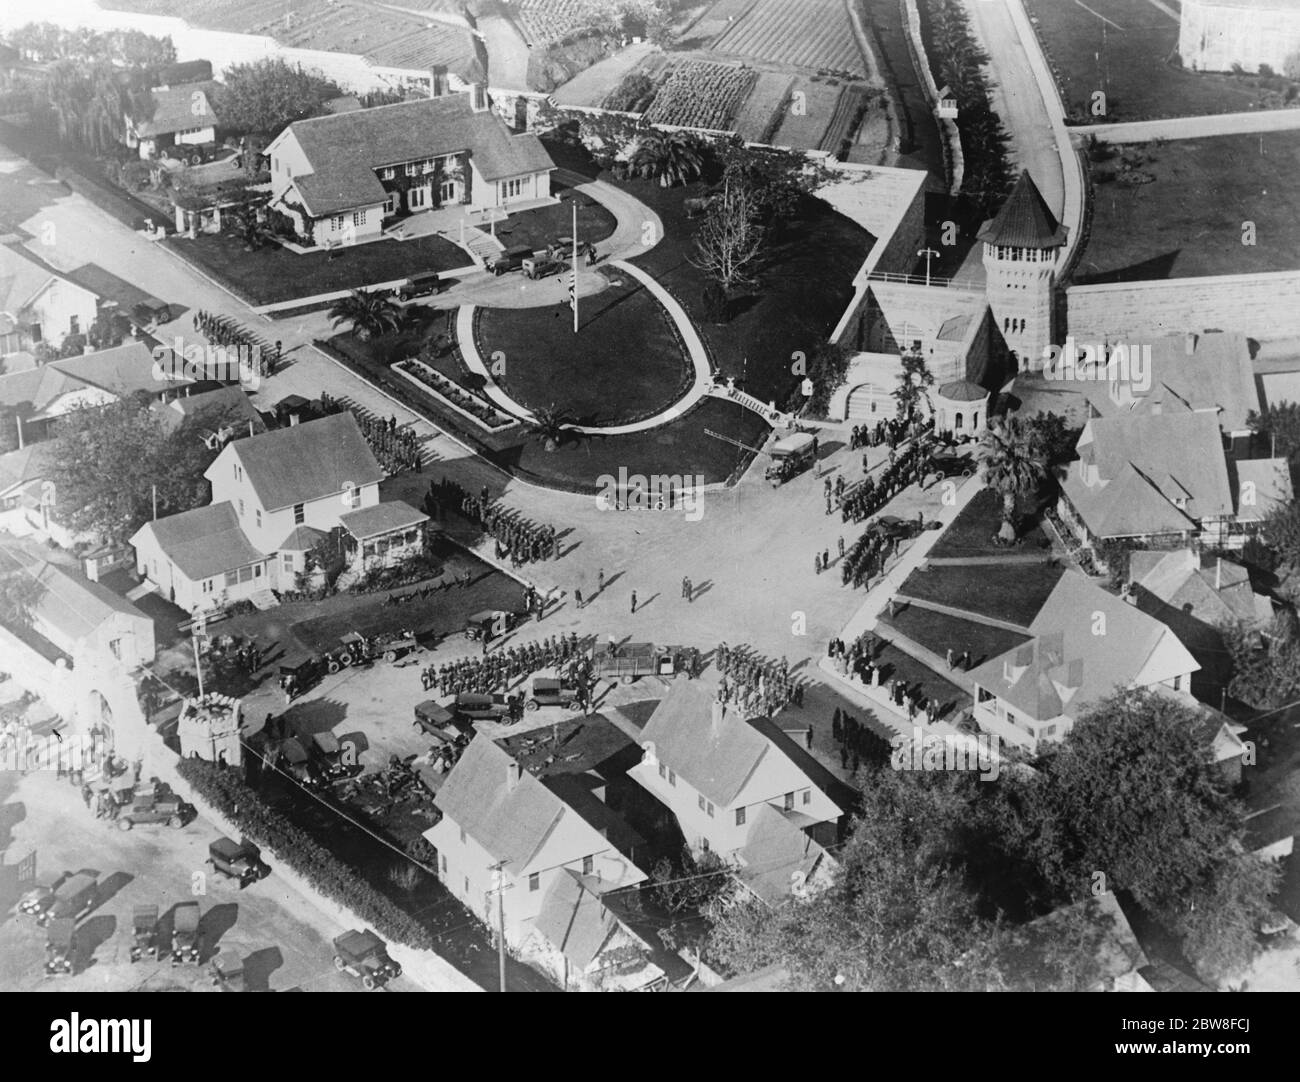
point(729, 243)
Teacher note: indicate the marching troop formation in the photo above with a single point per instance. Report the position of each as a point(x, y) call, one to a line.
point(488, 674)
point(758, 685)
point(224, 331)
point(518, 538)
point(396, 448)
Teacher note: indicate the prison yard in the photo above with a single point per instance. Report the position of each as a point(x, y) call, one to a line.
point(1194, 207)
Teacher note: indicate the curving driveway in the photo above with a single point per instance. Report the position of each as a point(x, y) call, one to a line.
point(694, 348)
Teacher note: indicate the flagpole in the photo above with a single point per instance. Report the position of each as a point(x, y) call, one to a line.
point(575, 266)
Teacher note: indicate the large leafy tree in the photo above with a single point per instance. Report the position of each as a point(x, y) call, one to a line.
point(1013, 464)
point(1132, 794)
point(1279, 427)
point(371, 314)
point(914, 382)
point(899, 914)
point(268, 95)
point(111, 460)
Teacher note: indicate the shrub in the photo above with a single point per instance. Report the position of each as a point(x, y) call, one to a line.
point(322, 869)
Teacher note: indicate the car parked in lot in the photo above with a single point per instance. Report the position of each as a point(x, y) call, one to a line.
point(478, 707)
point(548, 691)
point(365, 955)
point(74, 898)
point(151, 810)
point(237, 860)
point(420, 285)
point(511, 259)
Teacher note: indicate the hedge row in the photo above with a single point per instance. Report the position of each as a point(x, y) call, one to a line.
point(321, 868)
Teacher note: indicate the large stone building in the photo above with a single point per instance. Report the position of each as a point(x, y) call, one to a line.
point(1214, 35)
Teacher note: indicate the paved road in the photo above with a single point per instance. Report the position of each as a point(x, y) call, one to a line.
point(1194, 127)
point(285, 943)
point(1017, 99)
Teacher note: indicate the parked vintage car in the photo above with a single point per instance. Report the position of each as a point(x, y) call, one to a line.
point(365, 955)
point(227, 971)
point(144, 932)
point(186, 945)
point(509, 260)
point(237, 860)
point(420, 285)
point(60, 945)
point(154, 809)
point(548, 691)
point(74, 898)
point(477, 707)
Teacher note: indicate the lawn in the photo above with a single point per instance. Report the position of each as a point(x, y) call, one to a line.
point(812, 257)
point(274, 274)
point(1011, 592)
point(544, 225)
point(972, 531)
point(1131, 66)
point(1189, 222)
point(595, 376)
point(896, 665)
point(939, 633)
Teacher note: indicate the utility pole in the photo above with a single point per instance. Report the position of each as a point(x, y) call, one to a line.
point(499, 889)
point(197, 628)
point(154, 490)
point(574, 286)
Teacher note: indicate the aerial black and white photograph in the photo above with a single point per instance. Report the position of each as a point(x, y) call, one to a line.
point(650, 496)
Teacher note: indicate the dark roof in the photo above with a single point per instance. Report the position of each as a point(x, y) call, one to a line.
point(204, 542)
point(174, 110)
point(1025, 220)
point(306, 462)
point(345, 149)
point(963, 390)
point(382, 518)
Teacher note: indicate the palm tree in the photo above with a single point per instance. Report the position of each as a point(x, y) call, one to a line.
point(371, 314)
point(672, 158)
point(1013, 464)
point(549, 425)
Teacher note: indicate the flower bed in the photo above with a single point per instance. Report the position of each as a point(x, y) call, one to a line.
point(433, 382)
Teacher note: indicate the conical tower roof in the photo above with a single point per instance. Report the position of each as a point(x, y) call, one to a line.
point(1025, 220)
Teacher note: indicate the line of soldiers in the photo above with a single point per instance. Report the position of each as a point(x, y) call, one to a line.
point(874, 492)
point(755, 682)
point(486, 674)
point(521, 539)
point(224, 331)
point(858, 742)
point(396, 448)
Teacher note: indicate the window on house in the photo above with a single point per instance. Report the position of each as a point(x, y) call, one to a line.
point(672, 778)
point(700, 799)
point(115, 645)
point(588, 864)
point(709, 809)
point(740, 817)
point(288, 561)
point(299, 514)
point(704, 844)
point(466, 884)
point(443, 858)
point(239, 474)
point(336, 222)
point(462, 835)
point(663, 771)
point(511, 188)
point(358, 217)
point(241, 508)
point(789, 801)
point(534, 881)
point(257, 516)
point(807, 796)
point(74, 325)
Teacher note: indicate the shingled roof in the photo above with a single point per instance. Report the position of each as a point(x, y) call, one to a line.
point(1025, 220)
point(179, 108)
point(204, 542)
point(345, 149)
point(305, 462)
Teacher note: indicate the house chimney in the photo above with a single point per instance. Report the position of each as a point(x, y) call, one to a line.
point(513, 773)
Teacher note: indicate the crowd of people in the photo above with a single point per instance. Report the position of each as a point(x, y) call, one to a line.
point(756, 684)
point(517, 538)
point(873, 493)
point(396, 448)
point(860, 659)
point(889, 431)
point(493, 672)
point(263, 359)
point(858, 742)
